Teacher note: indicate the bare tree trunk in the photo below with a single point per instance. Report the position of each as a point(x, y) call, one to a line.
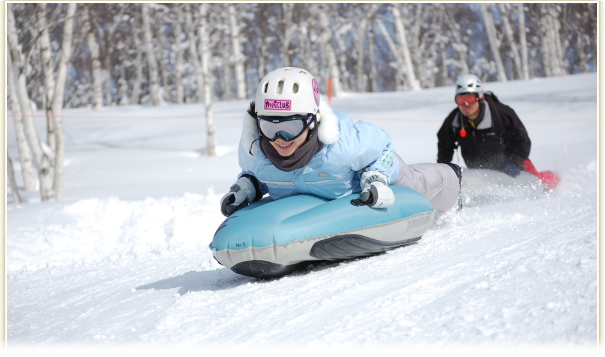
point(287, 10)
point(547, 43)
point(444, 63)
point(227, 76)
point(10, 173)
point(205, 66)
point(551, 44)
point(415, 35)
point(490, 28)
point(399, 74)
point(106, 78)
point(28, 171)
point(194, 54)
point(373, 77)
point(178, 70)
point(47, 192)
point(361, 34)
point(18, 70)
point(57, 103)
point(310, 51)
point(154, 88)
point(523, 41)
point(400, 33)
point(93, 47)
point(504, 10)
point(135, 97)
point(261, 67)
point(460, 49)
point(341, 50)
point(49, 79)
point(163, 84)
point(328, 49)
point(581, 54)
point(238, 58)
point(584, 39)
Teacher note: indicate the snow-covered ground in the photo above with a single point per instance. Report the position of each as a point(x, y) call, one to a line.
point(124, 259)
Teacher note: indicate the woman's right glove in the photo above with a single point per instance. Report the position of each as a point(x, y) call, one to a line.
point(241, 194)
point(374, 190)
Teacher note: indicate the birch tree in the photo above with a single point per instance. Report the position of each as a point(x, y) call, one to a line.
point(178, 56)
point(162, 59)
point(401, 47)
point(18, 69)
point(365, 33)
point(310, 41)
point(47, 192)
point(287, 26)
point(135, 97)
point(238, 59)
point(360, 48)
point(154, 87)
point(54, 88)
point(10, 174)
point(48, 158)
point(551, 43)
point(328, 49)
point(194, 53)
point(523, 41)
point(48, 71)
point(508, 31)
point(494, 44)
point(400, 50)
point(373, 76)
point(205, 70)
point(459, 46)
point(59, 96)
point(93, 47)
point(227, 75)
point(25, 154)
point(400, 33)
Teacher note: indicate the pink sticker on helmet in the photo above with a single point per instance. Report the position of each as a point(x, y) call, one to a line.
point(278, 104)
point(316, 93)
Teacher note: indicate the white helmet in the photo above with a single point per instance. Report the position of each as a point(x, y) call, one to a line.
point(287, 91)
point(468, 83)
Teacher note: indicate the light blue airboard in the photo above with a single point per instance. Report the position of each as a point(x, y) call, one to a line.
point(300, 217)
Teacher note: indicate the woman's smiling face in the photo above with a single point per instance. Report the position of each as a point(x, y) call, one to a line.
point(287, 148)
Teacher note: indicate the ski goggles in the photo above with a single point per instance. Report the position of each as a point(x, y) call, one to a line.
point(466, 99)
point(288, 128)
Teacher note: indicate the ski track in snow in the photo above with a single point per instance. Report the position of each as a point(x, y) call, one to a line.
point(138, 272)
point(442, 288)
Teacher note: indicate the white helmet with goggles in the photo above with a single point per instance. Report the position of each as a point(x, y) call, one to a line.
point(469, 83)
point(287, 91)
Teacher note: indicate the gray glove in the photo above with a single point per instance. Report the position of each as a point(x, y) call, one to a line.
point(511, 170)
point(240, 195)
point(374, 190)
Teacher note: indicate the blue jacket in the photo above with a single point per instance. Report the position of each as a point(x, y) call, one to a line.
point(334, 171)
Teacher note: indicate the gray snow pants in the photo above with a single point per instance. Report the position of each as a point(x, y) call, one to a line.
point(437, 182)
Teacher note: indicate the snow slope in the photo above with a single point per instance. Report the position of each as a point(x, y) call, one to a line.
point(124, 259)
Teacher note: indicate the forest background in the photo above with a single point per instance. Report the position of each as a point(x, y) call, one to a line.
point(73, 55)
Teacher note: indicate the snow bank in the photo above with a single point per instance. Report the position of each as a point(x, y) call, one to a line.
point(90, 231)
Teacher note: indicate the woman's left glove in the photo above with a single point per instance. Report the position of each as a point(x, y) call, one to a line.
point(374, 190)
point(241, 194)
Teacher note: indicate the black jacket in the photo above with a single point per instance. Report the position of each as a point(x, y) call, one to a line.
point(499, 139)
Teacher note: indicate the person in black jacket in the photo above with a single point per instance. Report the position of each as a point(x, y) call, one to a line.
point(490, 134)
